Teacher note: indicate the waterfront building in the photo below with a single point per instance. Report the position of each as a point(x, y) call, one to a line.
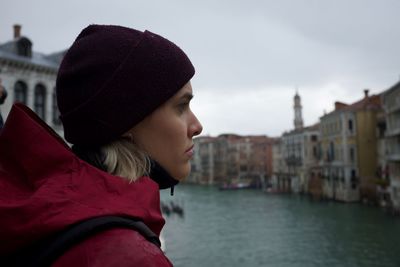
point(279, 182)
point(390, 172)
point(298, 149)
point(230, 158)
point(349, 149)
point(310, 168)
point(213, 160)
point(293, 151)
point(300, 152)
point(258, 158)
point(203, 161)
point(30, 78)
point(383, 180)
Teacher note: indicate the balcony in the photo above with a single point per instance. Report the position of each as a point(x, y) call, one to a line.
point(393, 107)
point(393, 157)
point(393, 132)
point(391, 101)
point(293, 161)
point(393, 149)
point(381, 182)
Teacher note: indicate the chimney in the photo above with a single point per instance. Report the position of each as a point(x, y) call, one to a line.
point(17, 31)
point(366, 92)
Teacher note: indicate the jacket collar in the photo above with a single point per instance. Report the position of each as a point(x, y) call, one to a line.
point(44, 187)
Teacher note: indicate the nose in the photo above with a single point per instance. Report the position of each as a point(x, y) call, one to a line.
point(195, 127)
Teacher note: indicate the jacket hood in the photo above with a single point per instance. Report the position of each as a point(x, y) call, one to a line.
point(44, 187)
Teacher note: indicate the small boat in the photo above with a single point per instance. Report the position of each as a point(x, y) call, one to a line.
point(236, 185)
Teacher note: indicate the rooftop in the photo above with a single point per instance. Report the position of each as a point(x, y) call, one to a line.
point(19, 50)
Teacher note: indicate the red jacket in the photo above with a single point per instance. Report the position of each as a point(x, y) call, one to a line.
point(44, 187)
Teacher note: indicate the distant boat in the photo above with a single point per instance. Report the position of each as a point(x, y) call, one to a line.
point(236, 185)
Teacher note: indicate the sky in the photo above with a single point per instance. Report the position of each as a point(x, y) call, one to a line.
point(250, 56)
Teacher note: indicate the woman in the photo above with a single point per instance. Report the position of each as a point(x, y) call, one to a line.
point(124, 101)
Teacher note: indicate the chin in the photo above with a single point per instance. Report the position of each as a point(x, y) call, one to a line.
point(182, 174)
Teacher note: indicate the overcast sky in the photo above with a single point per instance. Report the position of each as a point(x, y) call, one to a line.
point(250, 56)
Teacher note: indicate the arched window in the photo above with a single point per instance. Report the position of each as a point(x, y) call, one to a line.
point(20, 92)
point(56, 112)
point(40, 101)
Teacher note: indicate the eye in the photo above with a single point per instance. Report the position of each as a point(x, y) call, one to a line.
point(183, 106)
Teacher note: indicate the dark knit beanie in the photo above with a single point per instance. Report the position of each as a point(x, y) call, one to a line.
point(112, 77)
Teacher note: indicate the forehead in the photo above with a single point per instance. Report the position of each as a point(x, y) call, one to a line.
point(186, 90)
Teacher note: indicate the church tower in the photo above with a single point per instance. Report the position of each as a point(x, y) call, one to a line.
point(298, 119)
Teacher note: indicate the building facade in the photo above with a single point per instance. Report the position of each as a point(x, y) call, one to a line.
point(230, 158)
point(310, 168)
point(202, 164)
point(293, 152)
point(295, 155)
point(279, 168)
point(390, 167)
point(300, 153)
point(349, 149)
point(30, 77)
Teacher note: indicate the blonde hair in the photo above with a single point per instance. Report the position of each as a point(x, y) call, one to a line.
point(124, 158)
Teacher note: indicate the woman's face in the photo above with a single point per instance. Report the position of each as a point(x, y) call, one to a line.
point(166, 134)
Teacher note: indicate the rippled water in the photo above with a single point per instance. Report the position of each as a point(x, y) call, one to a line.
point(251, 228)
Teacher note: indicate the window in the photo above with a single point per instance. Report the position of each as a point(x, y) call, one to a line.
point(352, 154)
point(381, 129)
point(350, 125)
point(40, 101)
point(353, 179)
point(56, 112)
point(20, 92)
point(331, 151)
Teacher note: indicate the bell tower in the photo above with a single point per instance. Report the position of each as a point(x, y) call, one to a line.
point(298, 118)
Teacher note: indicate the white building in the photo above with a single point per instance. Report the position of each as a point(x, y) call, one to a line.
point(391, 106)
point(203, 161)
point(30, 77)
point(299, 150)
point(293, 151)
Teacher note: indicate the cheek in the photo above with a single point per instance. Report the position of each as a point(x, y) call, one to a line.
point(172, 140)
point(170, 152)
point(165, 141)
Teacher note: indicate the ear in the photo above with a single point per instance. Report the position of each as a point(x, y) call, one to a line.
point(128, 136)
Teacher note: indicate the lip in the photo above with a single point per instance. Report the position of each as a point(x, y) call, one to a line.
point(190, 151)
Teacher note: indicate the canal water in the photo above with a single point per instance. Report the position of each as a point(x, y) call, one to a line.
point(252, 228)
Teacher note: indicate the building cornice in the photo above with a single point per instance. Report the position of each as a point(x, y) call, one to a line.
point(25, 65)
